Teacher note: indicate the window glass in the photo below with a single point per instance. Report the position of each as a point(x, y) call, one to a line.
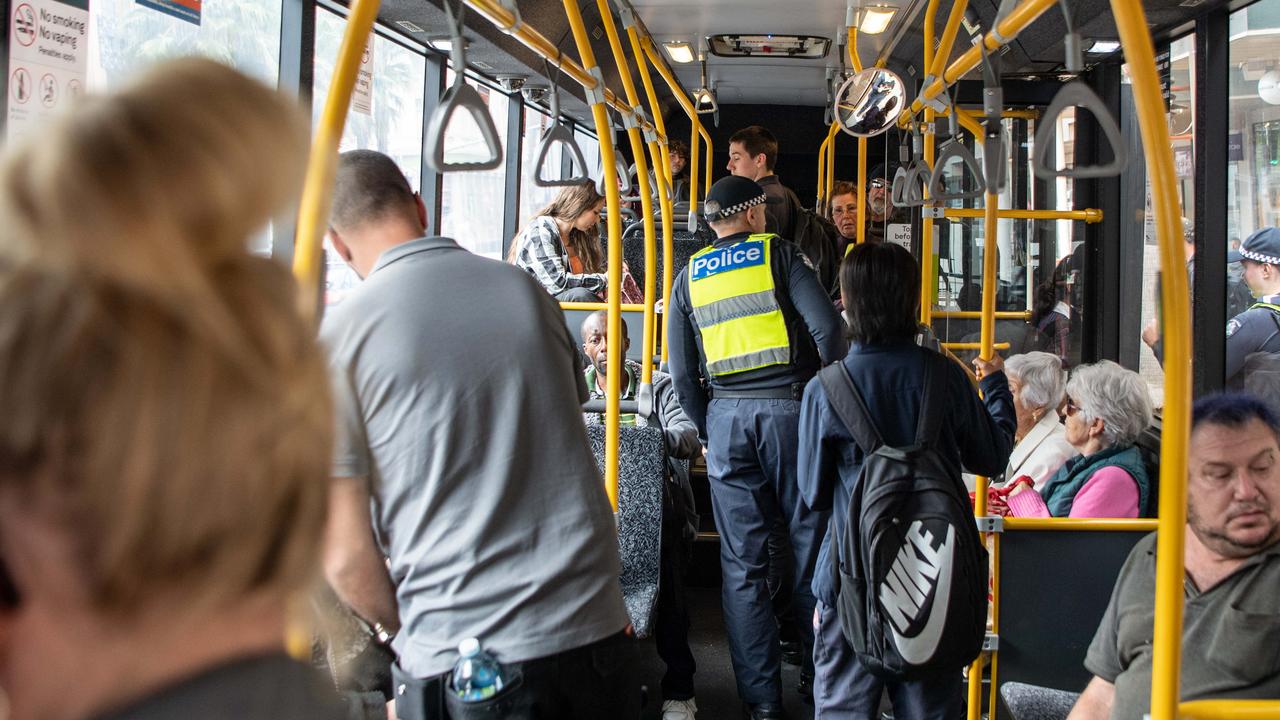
point(1253, 165)
point(1181, 118)
point(532, 197)
point(125, 37)
point(473, 203)
point(392, 126)
point(590, 149)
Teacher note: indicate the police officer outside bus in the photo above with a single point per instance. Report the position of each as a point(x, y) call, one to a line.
point(750, 325)
point(1253, 336)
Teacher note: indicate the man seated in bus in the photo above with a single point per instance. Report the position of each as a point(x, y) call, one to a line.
point(1231, 622)
point(486, 499)
point(679, 519)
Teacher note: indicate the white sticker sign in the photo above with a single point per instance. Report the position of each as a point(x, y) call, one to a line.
point(48, 59)
point(362, 99)
point(899, 234)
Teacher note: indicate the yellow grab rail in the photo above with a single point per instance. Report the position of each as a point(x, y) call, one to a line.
point(613, 359)
point(681, 97)
point(948, 39)
point(1090, 215)
point(317, 191)
point(1080, 524)
point(505, 20)
point(665, 200)
point(927, 268)
point(1015, 22)
point(661, 160)
point(1135, 37)
point(1000, 315)
point(646, 198)
point(856, 63)
point(972, 345)
point(1230, 710)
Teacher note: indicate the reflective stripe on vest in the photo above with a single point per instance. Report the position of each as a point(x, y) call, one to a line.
point(736, 308)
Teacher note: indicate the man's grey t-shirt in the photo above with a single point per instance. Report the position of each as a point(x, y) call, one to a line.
point(1230, 635)
point(459, 397)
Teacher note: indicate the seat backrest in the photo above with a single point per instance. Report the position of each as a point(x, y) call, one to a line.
point(684, 245)
point(1054, 588)
point(641, 473)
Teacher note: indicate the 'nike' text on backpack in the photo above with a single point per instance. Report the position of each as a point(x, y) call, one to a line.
point(913, 581)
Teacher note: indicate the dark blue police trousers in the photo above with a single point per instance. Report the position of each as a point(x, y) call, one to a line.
point(751, 462)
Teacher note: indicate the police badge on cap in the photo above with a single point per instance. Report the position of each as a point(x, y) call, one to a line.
point(730, 196)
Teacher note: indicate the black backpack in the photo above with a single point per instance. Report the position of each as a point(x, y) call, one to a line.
point(913, 583)
point(817, 237)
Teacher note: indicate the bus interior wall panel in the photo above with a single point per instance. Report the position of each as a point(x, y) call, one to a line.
point(1209, 291)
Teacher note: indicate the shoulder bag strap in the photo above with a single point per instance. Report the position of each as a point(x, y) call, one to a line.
point(850, 407)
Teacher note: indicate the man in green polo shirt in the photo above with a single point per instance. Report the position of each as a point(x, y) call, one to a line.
point(1231, 625)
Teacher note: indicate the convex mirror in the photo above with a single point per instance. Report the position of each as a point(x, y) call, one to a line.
point(869, 103)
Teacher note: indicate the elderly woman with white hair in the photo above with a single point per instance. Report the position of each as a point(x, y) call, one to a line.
point(1037, 381)
point(1107, 408)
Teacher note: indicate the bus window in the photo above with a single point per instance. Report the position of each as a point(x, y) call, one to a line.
point(391, 123)
point(471, 203)
point(1181, 118)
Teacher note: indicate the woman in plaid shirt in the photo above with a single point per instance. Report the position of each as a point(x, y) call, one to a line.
point(561, 248)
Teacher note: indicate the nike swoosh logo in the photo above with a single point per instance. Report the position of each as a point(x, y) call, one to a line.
point(919, 650)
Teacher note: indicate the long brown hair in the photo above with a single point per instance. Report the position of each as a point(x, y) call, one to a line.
point(571, 202)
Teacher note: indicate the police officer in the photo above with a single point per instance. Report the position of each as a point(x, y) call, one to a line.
point(750, 325)
point(1256, 331)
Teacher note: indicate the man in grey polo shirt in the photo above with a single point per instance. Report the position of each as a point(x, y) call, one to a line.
point(458, 398)
point(1231, 626)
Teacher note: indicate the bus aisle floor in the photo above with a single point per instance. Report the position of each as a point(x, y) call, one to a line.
point(717, 693)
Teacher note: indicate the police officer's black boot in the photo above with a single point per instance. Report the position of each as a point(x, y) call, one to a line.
point(764, 711)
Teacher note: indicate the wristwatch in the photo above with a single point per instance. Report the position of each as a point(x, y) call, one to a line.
point(382, 635)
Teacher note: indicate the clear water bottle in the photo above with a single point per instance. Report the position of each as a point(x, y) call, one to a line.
point(478, 675)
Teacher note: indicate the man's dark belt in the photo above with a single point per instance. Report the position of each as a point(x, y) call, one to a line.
point(794, 391)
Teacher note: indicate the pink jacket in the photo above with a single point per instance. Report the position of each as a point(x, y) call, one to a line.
point(1109, 493)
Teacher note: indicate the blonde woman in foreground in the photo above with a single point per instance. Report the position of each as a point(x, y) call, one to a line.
point(164, 445)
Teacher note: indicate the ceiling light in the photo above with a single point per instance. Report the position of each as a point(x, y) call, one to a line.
point(679, 51)
point(1103, 47)
point(875, 19)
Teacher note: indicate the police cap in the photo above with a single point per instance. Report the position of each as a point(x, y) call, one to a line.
point(1263, 246)
point(730, 196)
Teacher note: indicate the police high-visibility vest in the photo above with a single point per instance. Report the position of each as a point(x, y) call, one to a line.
point(736, 308)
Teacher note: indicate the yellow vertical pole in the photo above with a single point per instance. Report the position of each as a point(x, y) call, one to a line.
point(948, 39)
point(856, 63)
point(313, 210)
point(995, 618)
point(646, 193)
point(662, 161)
point(1167, 638)
point(609, 161)
point(834, 134)
point(822, 170)
point(928, 268)
point(694, 156)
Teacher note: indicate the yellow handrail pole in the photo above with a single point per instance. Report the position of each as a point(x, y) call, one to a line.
point(1015, 524)
point(1230, 710)
point(1000, 315)
point(972, 126)
point(995, 619)
point(834, 133)
point(1167, 638)
point(661, 160)
point(822, 168)
point(930, 18)
point(646, 192)
point(856, 62)
point(927, 268)
point(505, 20)
point(973, 345)
point(593, 306)
point(608, 160)
point(989, 256)
point(1090, 215)
point(1015, 22)
point(1007, 114)
point(711, 152)
point(313, 210)
point(693, 165)
point(665, 200)
point(948, 39)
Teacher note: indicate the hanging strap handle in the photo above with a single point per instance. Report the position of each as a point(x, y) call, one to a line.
point(561, 134)
point(461, 96)
point(993, 149)
point(953, 149)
